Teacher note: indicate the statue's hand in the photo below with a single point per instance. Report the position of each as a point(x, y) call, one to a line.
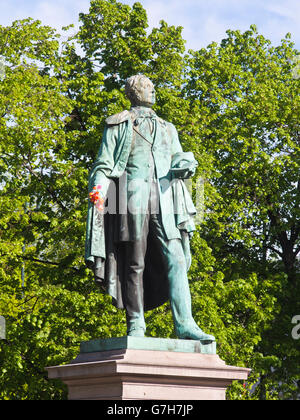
point(186, 173)
point(183, 165)
point(191, 172)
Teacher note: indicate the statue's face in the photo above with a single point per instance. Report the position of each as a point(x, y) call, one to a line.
point(146, 96)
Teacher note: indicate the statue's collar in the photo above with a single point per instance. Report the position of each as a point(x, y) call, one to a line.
point(143, 111)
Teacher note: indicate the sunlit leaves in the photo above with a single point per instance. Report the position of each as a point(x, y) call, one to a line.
point(235, 105)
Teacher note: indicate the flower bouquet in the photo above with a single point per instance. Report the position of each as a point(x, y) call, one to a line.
point(96, 197)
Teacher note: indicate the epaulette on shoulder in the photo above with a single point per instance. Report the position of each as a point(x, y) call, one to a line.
point(118, 118)
point(163, 122)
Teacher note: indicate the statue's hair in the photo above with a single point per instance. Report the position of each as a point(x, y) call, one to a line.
point(133, 85)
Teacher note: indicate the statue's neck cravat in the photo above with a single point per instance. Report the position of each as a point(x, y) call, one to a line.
point(144, 118)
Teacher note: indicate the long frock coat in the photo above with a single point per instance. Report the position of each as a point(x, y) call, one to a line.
point(104, 249)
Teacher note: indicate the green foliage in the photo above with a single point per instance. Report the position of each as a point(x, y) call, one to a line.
point(248, 97)
point(235, 105)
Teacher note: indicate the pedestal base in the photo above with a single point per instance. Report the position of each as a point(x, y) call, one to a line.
point(136, 368)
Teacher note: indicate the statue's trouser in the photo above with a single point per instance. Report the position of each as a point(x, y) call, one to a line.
point(175, 267)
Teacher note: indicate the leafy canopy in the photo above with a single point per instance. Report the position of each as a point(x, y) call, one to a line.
point(235, 105)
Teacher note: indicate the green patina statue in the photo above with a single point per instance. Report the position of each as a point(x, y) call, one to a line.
point(138, 244)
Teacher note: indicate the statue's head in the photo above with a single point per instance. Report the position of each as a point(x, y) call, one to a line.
point(140, 91)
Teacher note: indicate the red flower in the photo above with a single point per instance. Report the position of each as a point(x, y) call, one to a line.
point(96, 197)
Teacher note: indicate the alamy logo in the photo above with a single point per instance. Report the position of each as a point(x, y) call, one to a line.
point(296, 329)
point(2, 328)
point(2, 68)
point(296, 69)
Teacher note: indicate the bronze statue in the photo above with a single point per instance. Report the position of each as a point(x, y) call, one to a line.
point(138, 245)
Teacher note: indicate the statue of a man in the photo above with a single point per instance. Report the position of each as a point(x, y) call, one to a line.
point(138, 246)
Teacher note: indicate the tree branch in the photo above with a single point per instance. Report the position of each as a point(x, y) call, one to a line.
point(57, 264)
point(275, 250)
point(50, 191)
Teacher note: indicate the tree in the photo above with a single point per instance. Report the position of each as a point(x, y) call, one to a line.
point(53, 105)
point(235, 105)
point(47, 297)
point(247, 91)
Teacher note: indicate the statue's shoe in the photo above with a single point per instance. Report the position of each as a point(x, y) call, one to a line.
point(193, 332)
point(137, 332)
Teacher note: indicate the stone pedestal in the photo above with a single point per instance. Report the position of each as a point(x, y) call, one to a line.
point(138, 368)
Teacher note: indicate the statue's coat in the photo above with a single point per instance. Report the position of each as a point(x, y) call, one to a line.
point(104, 252)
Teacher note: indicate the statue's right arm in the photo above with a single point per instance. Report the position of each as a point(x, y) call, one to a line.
point(104, 164)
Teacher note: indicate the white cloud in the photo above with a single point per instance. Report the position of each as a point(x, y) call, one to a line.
point(203, 21)
point(289, 9)
point(207, 21)
point(55, 13)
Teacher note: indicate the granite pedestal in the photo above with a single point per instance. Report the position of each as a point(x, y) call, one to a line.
point(144, 368)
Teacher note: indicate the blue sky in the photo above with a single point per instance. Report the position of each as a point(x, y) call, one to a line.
point(203, 21)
